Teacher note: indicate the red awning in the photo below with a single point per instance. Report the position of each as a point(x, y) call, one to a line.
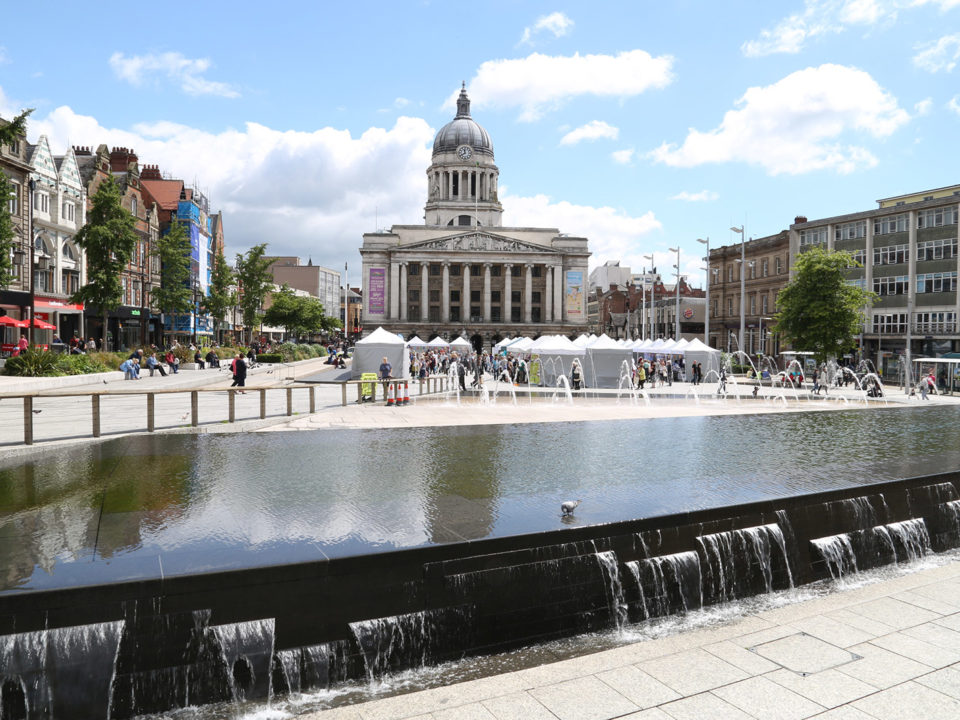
point(39, 324)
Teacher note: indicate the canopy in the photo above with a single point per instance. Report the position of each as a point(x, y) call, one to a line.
point(520, 345)
point(555, 354)
point(603, 364)
point(461, 343)
point(582, 341)
point(369, 353)
point(11, 322)
point(438, 342)
point(37, 323)
point(416, 343)
point(696, 351)
point(555, 345)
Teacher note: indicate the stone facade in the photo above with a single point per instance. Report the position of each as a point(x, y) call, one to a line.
point(767, 271)
point(462, 273)
point(15, 298)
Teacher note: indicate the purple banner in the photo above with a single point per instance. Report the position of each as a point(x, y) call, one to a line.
point(375, 291)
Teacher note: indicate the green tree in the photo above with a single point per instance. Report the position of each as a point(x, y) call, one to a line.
point(221, 296)
point(108, 240)
point(7, 234)
point(254, 282)
point(174, 296)
point(819, 311)
point(299, 315)
point(15, 129)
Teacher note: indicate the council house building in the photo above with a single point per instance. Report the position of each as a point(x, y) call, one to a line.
point(462, 272)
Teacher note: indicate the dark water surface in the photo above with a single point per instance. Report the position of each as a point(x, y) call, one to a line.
point(148, 506)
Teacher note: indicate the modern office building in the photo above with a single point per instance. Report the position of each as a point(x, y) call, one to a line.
point(317, 281)
point(462, 272)
point(908, 249)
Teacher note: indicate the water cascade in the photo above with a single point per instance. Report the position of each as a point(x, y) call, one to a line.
point(611, 572)
point(669, 583)
point(745, 562)
point(248, 652)
point(880, 545)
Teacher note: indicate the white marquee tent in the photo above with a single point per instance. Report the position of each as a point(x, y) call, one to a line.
point(461, 344)
point(696, 351)
point(603, 362)
point(556, 354)
point(369, 353)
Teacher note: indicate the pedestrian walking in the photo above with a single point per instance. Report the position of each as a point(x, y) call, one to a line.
point(239, 369)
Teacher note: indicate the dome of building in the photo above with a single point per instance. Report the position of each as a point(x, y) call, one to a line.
point(463, 130)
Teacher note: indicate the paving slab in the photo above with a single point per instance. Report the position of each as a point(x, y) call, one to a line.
point(922, 701)
point(760, 697)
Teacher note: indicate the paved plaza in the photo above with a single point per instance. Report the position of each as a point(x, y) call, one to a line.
point(890, 649)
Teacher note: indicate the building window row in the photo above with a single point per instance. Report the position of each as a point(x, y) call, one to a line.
point(890, 323)
point(859, 257)
point(13, 204)
point(935, 322)
point(937, 217)
point(69, 212)
point(858, 283)
point(813, 236)
point(850, 231)
point(897, 285)
point(890, 224)
point(937, 282)
point(937, 249)
point(41, 202)
point(891, 255)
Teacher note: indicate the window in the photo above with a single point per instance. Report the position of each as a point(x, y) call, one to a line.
point(937, 217)
point(894, 285)
point(537, 270)
point(454, 271)
point(69, 211)
point(763, 303)
point(937, 249)
point(813, 236)
point(850, 231)
point(891, 255)
point(890, 323)
point(729, 306)
point(133, 206)
point(713, 309)
point(436, 269)
point(413, 311)
point(474, 296)
point(859, 257)
point(434, 313)
point(68, 252)
point(753, 304)
point(536, 298)
point(70, 279)
point(496, 270)
point(890, 224)
point(434, 296)
point(729, 273)
point(41, 202)
point(766, 267)
point(935, 322)
point(495, 297)
point(937, 282)
point(858, 283)
point(515, 271)
point(413, 269)
point(454, 313)
point(43, 280)
point(753, 269)
point(475, 270)
point(778, 265)
point(15, 147)
point(13, 204)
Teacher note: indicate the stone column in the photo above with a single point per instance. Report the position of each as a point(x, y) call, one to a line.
point(830, 241)
point(394, 314)
point(403, 291)
point(558, 293)
point(424, 291)
point(912, 269)
point(506, 305)
point(486, 292)
point(548, 293)
point(445, 294)
point(528, 294)
point(465, 299)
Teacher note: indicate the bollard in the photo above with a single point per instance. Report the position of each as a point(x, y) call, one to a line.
point(231, 406)
point(263, 404)
point(95, 413)
point(28, 421)
point(150, 412)
point(194, 408)
point(313, 399)
point(289, 401)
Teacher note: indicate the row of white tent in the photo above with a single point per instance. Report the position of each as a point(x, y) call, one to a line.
point(602, 358)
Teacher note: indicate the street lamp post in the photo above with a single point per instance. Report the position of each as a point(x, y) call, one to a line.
point(676, 310)
point(650, 258)
point(706, 315)
point(743, 277)
point(196, 293)
point(33, 279)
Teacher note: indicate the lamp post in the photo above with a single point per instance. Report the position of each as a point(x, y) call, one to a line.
point(33, 280)
point(743, 258)
point(196, 292)
point(706, 315)
point(676, 311)
point(650, 258)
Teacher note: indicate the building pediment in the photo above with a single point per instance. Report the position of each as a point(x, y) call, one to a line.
point(479, 242)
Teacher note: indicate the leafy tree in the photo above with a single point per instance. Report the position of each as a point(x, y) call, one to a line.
point(819, 311)
point(15, 129)
point(299, 315)
point(221, 296)
point(174, 296)
point(7, 235)
point(108, 240)
point(254, 282)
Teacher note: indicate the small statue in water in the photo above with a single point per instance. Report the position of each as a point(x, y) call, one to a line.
point(569, 506)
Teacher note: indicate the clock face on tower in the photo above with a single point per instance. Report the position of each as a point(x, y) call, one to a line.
point(464, 152)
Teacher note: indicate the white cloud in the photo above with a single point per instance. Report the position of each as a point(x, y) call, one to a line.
point(820, 17)
point(623, 157)
point(305, 193)
point(954, 104)
point(939, 55)
point(795, 125)
point(702, 196)
point(613, 234)
point(593, 130)
point(556, 23)
point(539, 83)
point(923, 107)
point(136, 69)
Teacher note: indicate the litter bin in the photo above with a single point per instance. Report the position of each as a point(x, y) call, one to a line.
point(368, 384)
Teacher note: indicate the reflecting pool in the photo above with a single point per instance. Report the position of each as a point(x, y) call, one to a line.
point(152, 506)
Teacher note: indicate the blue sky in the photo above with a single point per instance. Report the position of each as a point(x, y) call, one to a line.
point(641, 125)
